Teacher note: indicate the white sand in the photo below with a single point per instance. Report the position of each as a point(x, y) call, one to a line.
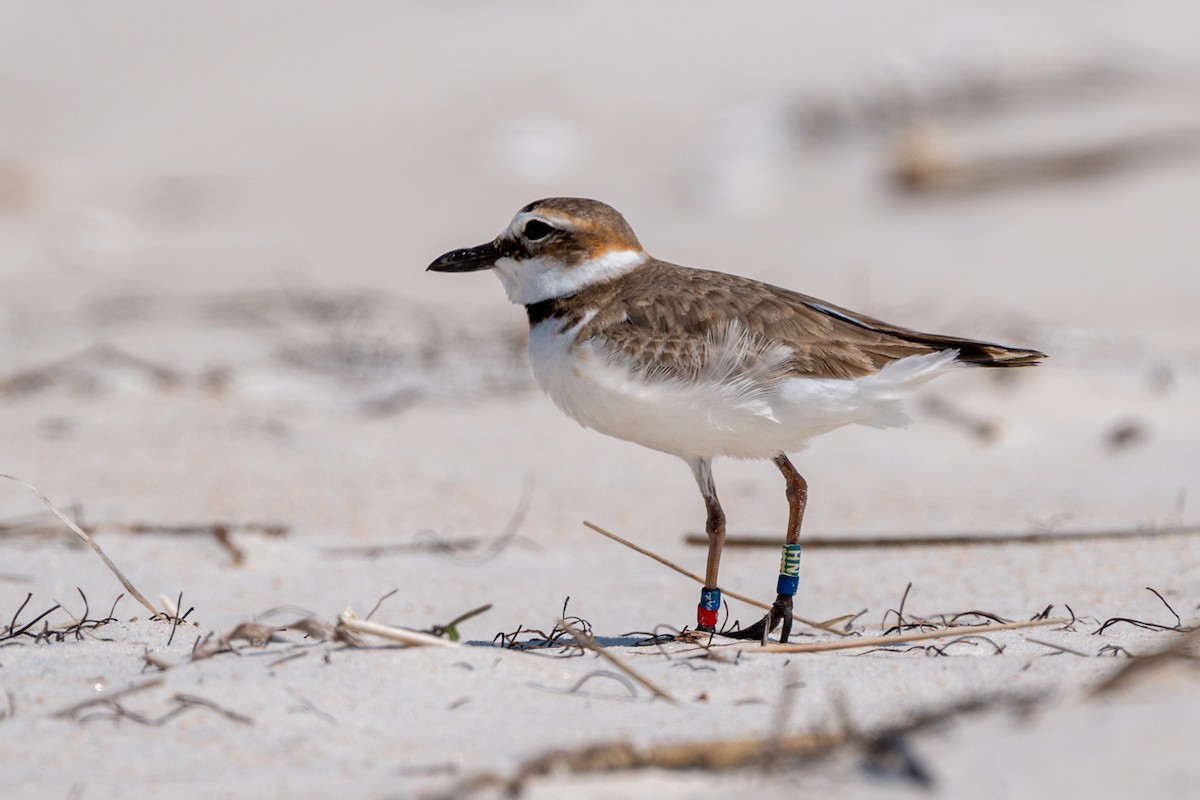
point(186, 188)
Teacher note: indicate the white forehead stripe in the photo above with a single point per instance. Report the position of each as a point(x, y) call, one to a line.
point(537, 279)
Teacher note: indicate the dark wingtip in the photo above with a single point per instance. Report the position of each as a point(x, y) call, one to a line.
point(995, 355)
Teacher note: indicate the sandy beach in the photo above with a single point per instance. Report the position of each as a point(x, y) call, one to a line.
point(221, 357)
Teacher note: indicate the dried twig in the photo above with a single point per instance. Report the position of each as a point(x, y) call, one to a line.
point(221, 531)
point(186, 701)
point(11, 631)
point(712, 755)
point(603, 673)
point(321, 631)
point(899, 612)
point(952, 540)
point(57, 633)
point(757, 604)
point(1055, 646)
point(272, 529)
point(380, 602)
point(104, 699)
point(540, 640)
point(428, 544)
point(590, 643)
point(450, 629)
point(884, 641)
point(257, 634)
point(289, 657)
point(182, 703)
point(129, 587)
point(348, 619)
point(174, 616)
point(150, 660)
point(1139, 623)
point(622, 756)
point(37, 524)
point(1114, 650)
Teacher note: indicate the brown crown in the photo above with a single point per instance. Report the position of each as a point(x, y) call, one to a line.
point(590, 229)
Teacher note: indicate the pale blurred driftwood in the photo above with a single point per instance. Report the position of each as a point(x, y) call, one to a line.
point(923, 161)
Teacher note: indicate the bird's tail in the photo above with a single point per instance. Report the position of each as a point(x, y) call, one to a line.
point(880, 395)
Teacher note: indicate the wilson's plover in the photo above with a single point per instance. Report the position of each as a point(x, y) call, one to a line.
point(701, 364)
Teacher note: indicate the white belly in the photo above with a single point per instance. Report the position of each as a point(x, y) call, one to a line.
point(727, 416)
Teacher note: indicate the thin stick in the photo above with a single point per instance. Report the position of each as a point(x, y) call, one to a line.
point(185, 700)
point(765, 606)
point(199, 529)
point(884, 641)
point(590, 644)
point(108, 698)
point(474, 612)
point(373, 550)
point(921, 540)
point(1059, 647)
point(403, 635)
point(82, 534)
point(716, 754)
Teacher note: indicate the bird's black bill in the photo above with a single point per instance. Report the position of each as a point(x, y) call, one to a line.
point(469, 259)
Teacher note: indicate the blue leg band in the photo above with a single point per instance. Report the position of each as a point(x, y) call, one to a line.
point(789, 570)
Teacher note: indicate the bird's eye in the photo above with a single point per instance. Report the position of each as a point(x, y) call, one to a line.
point(536, 229)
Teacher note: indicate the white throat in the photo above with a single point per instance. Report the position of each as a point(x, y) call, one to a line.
point(537, 279)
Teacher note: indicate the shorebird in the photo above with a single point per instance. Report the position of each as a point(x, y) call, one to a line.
point(700, 364)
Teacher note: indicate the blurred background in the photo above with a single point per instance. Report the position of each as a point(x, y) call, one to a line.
point(215, 219)
point(215, 319)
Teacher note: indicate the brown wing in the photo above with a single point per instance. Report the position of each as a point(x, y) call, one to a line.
point(665, 314)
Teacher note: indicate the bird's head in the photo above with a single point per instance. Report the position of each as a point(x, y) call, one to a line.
point(553, 248)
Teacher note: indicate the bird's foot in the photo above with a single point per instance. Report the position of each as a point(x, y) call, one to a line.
point(780, 613)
